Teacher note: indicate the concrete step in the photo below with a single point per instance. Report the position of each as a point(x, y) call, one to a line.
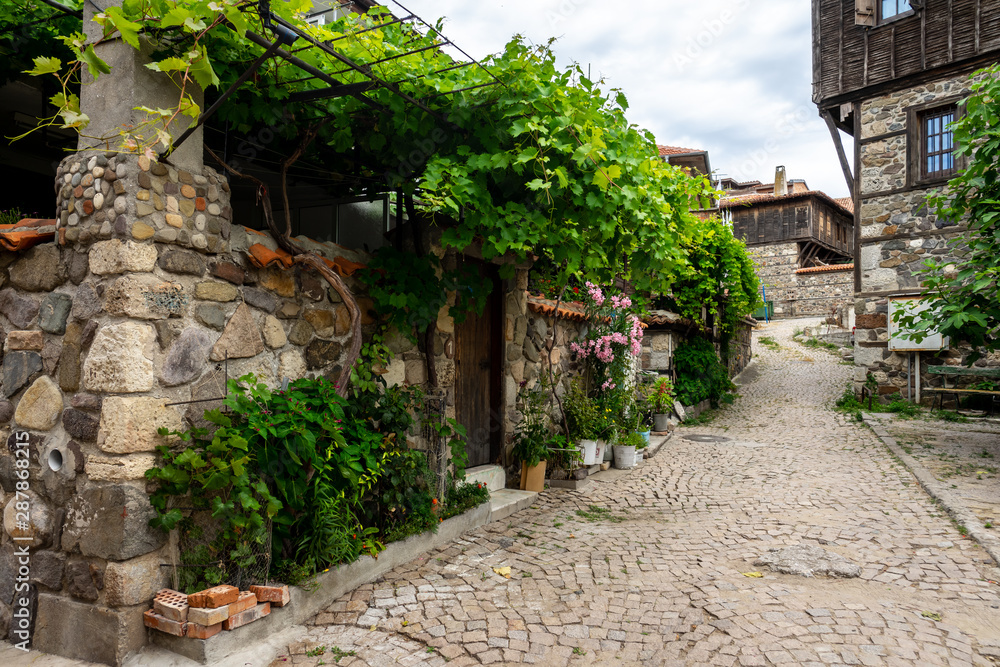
point(504, 502)
point(492, 476)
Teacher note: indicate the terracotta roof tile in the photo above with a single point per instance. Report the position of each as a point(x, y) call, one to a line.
point(25, 233)
point(826, 269)
point(846, 202)
point(574, 311)
point(677, 150)
point(568, 310)
point(261, 256)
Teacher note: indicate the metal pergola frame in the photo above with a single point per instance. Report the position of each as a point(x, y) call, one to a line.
point(287, 34)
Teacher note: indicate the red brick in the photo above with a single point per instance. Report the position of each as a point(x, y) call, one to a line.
point(208, 616)
point(276, 595)
point(249, 616)
point(199, 631)
point(245, 601)
point(171, 604)
point(153, 620)
point(214, 597)
point(229, 271)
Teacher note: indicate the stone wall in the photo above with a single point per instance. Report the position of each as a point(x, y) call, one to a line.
point(898, 232)
point(658, 347)
point(146, 300)
point(795, 294)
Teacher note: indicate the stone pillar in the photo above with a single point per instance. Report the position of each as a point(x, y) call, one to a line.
point(111, 101)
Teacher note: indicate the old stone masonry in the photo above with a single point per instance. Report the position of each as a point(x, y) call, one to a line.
point(659, 565)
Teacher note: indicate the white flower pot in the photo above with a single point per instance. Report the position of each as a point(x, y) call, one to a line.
point(603, 451)
point(589, 452)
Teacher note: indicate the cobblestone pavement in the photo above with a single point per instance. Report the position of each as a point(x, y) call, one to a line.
point(964, 456)
point(655, 567)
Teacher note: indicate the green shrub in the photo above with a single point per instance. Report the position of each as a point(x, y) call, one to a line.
point(464, 497)
point(286, 456)
point(700, 374)
point(901, 407)
point(632, 439)
point(404, 496)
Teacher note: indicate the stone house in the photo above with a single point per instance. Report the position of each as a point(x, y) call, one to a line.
point(801, 242)
point(146, 284)
point(892, 75)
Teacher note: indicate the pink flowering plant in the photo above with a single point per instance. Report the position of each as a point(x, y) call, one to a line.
point(610, 351)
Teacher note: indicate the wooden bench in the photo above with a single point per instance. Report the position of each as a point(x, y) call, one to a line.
point(963, 371)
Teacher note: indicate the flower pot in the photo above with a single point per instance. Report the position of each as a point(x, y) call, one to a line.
point(603, 451)
point(624, 457)
point(645, 435)
point(661, 422)
point(589, 452)
point(533, 478)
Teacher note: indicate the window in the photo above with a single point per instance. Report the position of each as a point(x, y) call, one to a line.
point(891, 8)
point(938, 142)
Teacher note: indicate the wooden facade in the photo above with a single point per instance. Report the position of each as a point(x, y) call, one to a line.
point(857, 53)
point(807, 218)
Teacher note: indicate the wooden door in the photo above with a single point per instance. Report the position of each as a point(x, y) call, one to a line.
point(478, 374)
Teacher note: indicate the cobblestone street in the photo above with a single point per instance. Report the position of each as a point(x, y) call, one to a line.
point(656, 566)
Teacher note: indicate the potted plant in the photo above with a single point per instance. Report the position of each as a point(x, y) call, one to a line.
point(625, 450)
point(644, 410)
point(661, 399)
point(564, 458)
point(532, 451)
point(531, 438)
point(642, 450)
point(581, 419)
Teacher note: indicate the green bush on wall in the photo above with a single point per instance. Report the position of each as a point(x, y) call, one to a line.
point(700, 374)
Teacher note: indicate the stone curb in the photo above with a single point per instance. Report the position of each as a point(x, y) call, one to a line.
point(655, 449)
point(750, 364)
point(951, 502)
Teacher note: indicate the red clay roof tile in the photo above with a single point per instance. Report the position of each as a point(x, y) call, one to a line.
point(25, 233)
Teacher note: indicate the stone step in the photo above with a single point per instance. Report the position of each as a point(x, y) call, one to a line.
point(504, 502)
point(492, 476)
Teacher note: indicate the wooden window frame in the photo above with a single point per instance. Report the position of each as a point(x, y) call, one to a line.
point(884, 20)
point(916, 142)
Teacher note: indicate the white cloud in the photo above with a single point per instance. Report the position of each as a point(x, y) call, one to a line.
point(730, 76)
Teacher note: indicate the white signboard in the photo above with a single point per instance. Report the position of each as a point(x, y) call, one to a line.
point(898, 342)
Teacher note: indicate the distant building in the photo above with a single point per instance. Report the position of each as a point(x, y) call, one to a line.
point(892, 74)
point(801, 241)
point(695, 161)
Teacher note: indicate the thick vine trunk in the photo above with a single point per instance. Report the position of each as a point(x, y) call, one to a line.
point(303, 256)
point(418, 242)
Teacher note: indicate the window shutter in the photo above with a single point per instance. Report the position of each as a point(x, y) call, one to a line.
point(864, 12)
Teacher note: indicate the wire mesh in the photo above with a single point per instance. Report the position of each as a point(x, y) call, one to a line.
point(436, 446)
point(203, 559)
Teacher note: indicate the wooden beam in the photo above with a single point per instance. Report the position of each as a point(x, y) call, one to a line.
point(856, 192)
point(841, 153)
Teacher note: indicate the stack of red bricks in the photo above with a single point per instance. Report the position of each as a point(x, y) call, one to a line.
point(207, 613)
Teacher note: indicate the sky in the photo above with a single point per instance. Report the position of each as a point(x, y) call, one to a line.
point(732, 77)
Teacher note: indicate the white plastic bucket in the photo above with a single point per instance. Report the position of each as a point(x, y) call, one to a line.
point(589, 452)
